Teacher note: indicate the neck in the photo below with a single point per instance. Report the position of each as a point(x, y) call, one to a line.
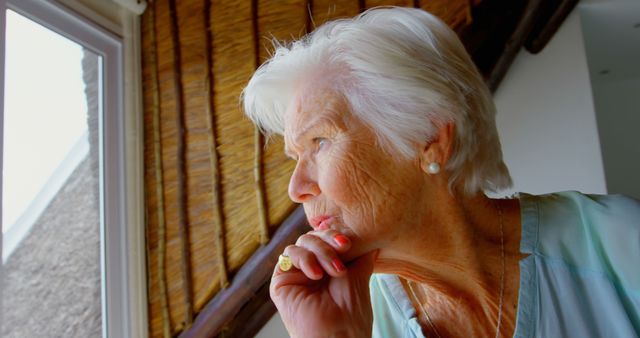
point(456, 252)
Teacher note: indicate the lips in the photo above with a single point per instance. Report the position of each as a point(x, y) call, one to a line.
point(320, 222)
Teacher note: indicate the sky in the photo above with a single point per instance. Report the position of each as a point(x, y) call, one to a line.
point(45, 110)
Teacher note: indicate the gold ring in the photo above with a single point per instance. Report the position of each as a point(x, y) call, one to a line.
point(284, 262)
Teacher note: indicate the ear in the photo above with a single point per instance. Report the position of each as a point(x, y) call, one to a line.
point(439, 149)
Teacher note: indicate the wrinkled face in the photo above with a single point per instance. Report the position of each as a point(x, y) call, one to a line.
point(343, 178)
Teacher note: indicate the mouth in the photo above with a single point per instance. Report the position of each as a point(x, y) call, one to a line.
point(320, 222)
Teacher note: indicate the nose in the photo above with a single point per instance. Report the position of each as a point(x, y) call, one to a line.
point(303, 186)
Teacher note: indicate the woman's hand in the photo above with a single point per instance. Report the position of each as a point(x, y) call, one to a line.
point(321, 296)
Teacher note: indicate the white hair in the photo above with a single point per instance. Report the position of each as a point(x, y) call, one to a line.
point(404, 73)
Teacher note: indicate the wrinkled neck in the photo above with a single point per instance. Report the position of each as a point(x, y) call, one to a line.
point(457, 251)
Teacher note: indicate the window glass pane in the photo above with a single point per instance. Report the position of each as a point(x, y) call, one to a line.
point(51, 197)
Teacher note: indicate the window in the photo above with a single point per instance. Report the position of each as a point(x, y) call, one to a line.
point(51, 219)
point(71, 212)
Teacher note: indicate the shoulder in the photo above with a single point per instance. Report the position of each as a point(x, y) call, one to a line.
point(578, 200)
point(586, 233)
point(583, 265)
point(564, 210)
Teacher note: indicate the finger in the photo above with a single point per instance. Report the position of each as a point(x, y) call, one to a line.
point(339, 241)
point(360, 271)
point(324, 253)
point(305, 261)
point(285, 278)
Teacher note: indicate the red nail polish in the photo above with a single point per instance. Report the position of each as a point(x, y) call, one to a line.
point(341, 239)
point(317, 270)
point(338, 265)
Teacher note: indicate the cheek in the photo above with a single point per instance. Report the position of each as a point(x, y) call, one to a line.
point(349, 184)
point(344, 179)
point(334, 179)
point(370, 190)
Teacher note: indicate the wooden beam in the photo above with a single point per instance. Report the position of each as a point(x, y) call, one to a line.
point(493, 23)
point(252, 317)
point(497, 33)
point(250, 279)
point(514, 44)
point(547, 25)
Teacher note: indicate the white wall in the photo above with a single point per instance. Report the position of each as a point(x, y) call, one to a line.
point(612, 44)
point(618, 110)
point(546, 118)
point(273, 329)
point(547, 124)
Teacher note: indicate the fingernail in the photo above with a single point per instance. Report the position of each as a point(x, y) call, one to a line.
point(338, 265)
point(341, 240)
point(317, 270)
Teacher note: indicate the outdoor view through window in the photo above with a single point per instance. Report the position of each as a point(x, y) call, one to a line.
point(51, 195)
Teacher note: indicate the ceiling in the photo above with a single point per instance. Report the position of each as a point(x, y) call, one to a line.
point(611, 31)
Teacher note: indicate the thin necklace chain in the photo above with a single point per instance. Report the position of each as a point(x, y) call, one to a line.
point(426, 314)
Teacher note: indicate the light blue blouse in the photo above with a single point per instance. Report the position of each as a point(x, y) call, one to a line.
point(581, 279)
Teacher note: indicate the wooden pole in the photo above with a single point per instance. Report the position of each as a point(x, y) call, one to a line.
point(258, 141)
point(157, 151)
point(216, 194)
point(180, 165)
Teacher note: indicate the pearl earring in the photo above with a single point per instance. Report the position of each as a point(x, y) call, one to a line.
point(433, 168)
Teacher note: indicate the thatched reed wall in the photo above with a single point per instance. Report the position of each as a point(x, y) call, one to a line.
point(214, 193)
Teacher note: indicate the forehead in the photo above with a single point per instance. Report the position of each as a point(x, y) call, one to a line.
point(312, 106)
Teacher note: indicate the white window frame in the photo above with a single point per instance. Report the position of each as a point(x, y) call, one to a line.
point(122, 238)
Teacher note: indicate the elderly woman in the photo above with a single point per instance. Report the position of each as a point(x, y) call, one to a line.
point(393, 132)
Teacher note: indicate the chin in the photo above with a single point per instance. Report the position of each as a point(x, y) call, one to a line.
point(358, 248)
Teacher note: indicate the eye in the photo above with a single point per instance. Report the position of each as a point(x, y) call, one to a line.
point(321, 142)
